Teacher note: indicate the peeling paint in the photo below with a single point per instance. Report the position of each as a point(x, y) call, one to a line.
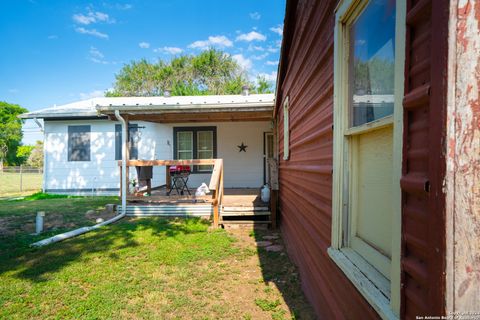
point(463, 162)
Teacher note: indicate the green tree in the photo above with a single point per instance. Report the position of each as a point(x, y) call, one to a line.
point(10, 132)
point(210, 72)
point(36, 156)
point(263, 85)
point(375, 76)
point(23, 153)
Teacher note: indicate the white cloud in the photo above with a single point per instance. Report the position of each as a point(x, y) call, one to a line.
point(144, 45)
point(242, 61)
point(94, 52)
point(52, 37)
point(271, 49)
point(255, 15)
point(278, 29)
point(92, 32)
point(251, 47)
point(251, 36)
point(261, 56)
point(271, 63)
point(92, 94)
point(269, 76)
point(13, 91)
point(169, 50)
point(96, 56)
point(220, 41)
point(92, 17)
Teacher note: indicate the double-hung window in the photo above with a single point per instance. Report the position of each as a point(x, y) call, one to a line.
point(195, 143)
point(368, 76)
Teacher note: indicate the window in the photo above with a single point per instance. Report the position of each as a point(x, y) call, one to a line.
point(286, 130)
point(134, 134)
point(367, 148)
point(78, 143)
point(196, 143)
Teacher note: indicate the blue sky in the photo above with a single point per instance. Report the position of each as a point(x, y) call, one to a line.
point(55, 52)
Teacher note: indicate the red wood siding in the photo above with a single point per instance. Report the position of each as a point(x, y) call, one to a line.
point(423, 201)
point(306, 178)
point(305, 196)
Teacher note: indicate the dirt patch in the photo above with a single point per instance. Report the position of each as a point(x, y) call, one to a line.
point(263, 285)
point(12, 225)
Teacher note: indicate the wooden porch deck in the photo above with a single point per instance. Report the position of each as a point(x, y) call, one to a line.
point(233, 197)
point(238, 206)
point(224, 205)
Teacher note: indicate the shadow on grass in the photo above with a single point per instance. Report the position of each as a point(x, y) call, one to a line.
point(39, 264)
point(277, 268)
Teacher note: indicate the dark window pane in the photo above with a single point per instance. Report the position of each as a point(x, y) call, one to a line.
point(372, 62)
point(78, 143)
point(195, 143)
point(118, 142)
point(134, 135)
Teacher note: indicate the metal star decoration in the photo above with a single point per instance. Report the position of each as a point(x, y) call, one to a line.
point(242, 147)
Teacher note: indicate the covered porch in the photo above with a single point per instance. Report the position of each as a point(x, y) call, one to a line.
point(223, 205)
point(227, 141)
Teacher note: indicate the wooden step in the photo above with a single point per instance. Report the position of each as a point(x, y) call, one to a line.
point(244, 222)
point(241, 208)
point(244, 213)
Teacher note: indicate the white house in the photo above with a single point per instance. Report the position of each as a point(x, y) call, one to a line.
point(83, 139)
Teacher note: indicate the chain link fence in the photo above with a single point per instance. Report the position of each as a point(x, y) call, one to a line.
point(19, 180)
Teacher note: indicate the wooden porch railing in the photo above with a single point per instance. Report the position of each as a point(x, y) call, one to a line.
point(216, 180)
point(216, 184)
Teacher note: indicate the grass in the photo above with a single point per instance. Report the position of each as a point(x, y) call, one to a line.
point(10, 183)
point(142, 269)
point(131, 270)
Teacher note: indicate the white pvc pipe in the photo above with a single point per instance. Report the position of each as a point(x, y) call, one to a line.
point(39, 222)
point(76, 232)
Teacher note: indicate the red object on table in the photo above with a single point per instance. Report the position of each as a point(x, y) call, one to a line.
point(180, 169)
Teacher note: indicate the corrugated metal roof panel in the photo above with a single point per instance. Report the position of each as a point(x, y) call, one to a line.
point(94, 106)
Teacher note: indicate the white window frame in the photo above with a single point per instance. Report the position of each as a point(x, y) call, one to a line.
point(382, 294)
point(205, 168)
point(286, 129)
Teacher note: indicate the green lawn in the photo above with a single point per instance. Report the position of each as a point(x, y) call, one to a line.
point(10, 183)
point(144, 269)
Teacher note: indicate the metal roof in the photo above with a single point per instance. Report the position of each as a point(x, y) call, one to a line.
point(98, 106)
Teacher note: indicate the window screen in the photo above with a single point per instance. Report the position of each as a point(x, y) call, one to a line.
point(79, 143)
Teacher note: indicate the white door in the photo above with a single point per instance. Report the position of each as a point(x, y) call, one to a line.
point(267, 154)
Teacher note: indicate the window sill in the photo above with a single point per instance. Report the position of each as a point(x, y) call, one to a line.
point(374, 296)
point(370, 126)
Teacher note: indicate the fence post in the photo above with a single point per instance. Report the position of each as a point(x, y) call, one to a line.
point(21, 178)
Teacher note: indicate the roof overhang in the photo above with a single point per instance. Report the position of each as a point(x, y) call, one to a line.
point(199, 112)
point(256, 107)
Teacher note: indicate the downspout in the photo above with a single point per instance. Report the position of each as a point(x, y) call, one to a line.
point(124, 162)
point(77, 232)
